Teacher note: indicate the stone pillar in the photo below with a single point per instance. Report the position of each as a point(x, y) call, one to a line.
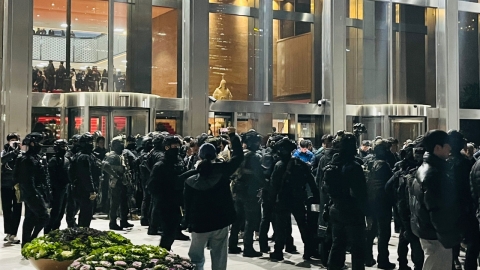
point(447, 65)
point(195, 59)
point(16, 67)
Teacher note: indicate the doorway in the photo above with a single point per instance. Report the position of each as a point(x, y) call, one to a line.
point(405, 128)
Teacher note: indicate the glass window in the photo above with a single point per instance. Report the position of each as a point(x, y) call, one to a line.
point(230, 49)
point(49, 44)
point(414, 63)
point(120, 46)
point(304, 6)
point(471, 130)
point(165, 51)
point(244, 3)
point(367, 54)
point(469, 66)
point(292, 61)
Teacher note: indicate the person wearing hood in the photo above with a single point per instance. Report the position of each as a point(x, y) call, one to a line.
point(11, 208)
point(33, 183)
point(209, 204)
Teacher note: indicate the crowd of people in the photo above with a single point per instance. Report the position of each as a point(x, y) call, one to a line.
point(224, 188)
point(52, 80)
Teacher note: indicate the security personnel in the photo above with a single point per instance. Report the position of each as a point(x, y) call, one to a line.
point(72, 208)
point(155, 155)
point(12, 209)
point(248, 181)
point(344, 181)
point(81, 173)
point(114, 166)
point(289, 180)
point(147, 146)
point(32, 178)
point(166, 189)
point(99, 152)
point(58, 172)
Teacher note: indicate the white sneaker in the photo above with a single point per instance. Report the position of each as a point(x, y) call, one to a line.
point(240, 235)
point(12, 239)
point(6, 237)
point(257, 236)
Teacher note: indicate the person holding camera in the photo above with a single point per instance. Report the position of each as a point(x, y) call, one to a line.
point(11, 208)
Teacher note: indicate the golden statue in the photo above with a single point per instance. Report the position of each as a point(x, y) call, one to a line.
point(222, 92)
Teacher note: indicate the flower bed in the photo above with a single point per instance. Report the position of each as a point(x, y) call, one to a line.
point(131, 257)
point(71, 244)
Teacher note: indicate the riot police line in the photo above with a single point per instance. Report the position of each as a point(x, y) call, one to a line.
point(234, 186)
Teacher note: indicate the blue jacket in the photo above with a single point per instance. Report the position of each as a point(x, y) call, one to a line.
point(306, 157)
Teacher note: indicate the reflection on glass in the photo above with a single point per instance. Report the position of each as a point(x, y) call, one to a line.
point(229, 56)
point(367, 56)
point(244, 3)
point(471, 130)
point(75, 120)
point(292, 63)
point(120, 46)
point(49, 46)
point(355, 9)
point(164, 51)
point(468, 60)
point(414, 63)
point(219, 122)
point(304, 6)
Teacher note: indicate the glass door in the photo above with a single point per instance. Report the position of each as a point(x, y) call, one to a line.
point(406, 128)
point(99, 122)
point(129, 122)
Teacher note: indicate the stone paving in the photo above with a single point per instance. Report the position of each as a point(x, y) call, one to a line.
point(11, 259)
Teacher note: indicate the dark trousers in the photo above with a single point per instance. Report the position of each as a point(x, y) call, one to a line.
point(170, 220)
point(267, 218)
point(283, 226)
point(381, 228)
point(248, 210)
point(325, 243)
point(36, 216)
point(12, 210)
point(58, 204)
point(312, 222)
point(156, 215)
point(86, 211)
point(416, 250)
point(118, 200)
point(343, 235)
point(472, 239)
point(72, 209)
point(146, 206)
point(105, 188)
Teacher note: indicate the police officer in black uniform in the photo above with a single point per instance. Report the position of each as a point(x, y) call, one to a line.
point(155, 155)
point(344, 181)
point(290, 178)
point(166, 189)
point(82, 176)
point(249, 180)
point(71, 209)
point(31, 175)
point(147, 146)
point(99, 152)
point(12, 209)
point(114, 165)
point(58, 172)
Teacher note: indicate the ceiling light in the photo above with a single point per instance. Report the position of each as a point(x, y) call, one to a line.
point(53, 4)
point(161, 34)
point(38, 15)
point(63, 25)
point(118, 30)
point(76, 19)
point(124, 61)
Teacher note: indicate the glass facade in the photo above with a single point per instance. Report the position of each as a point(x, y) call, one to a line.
point(469, 65)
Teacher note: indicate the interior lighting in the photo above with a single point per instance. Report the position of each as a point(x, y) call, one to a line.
point(53, 4)
point(38, 15)
point(63, 25)
point(118, 30)
point(124, 61)
point(161, 34)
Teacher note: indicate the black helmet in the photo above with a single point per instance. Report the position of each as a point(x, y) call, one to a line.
point(284, 145)
point(116, 142)
point(273, 140)
point(75, 139)
point(130, 139)
point(86, 138)
point(13, 135)
point(201, 139)
point(158, 140)
point(169, 140)
point(146, 140)
point(60, 144)
point(345, 143)
point(34, 137)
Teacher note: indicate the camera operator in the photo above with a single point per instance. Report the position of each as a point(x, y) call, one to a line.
point(11, 208)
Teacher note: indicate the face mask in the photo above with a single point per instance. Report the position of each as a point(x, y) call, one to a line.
point(13, 144)
point(172, 152)
point(35, 149)
point(61, 152)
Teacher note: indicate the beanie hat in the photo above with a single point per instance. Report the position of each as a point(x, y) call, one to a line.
point(207, 151)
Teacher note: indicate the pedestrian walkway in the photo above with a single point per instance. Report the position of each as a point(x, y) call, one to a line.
point(11, 259)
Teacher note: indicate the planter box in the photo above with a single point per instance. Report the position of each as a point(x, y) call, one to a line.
point(47, 264)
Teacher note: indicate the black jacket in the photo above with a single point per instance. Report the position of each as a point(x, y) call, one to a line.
point(58, 172)
point(82, 174)
point(379, 204)
point(9, 157)
point(350, 204)
point(31, 175)
point(208, 200)
point(165, 182)
point(250, 176)
point(461, 167)
point(475, 183)
point(434, 205)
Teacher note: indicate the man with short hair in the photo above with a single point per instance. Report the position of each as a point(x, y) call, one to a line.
point(364, 149)
point(434, 205)
point(303, 153)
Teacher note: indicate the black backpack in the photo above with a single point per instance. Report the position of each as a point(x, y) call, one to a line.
point(334, 182)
